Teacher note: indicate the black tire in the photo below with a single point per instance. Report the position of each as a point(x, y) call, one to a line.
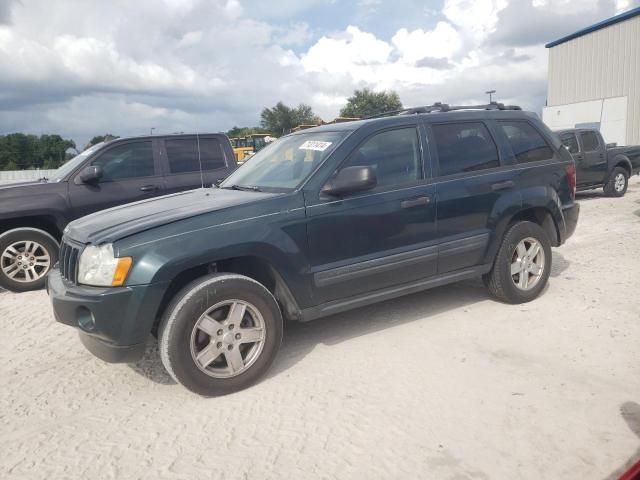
point(189, 305)
point(14, 241)
point(500, 282)
point(612, 188)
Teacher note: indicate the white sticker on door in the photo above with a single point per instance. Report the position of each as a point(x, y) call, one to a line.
point(314, 145)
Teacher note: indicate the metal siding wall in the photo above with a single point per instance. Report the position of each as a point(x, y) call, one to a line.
point(601, 64)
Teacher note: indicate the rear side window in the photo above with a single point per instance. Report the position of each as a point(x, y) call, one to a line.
point(182, 154)
point(527, 144)
point(394, 155)
point(590, 141)
point(464, 147)
point(570, 141)
point(129, 160)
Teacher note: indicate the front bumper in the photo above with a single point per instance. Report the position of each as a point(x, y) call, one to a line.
point(570, 214)
point(114, 323)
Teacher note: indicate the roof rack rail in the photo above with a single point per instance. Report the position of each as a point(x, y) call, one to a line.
point(444, 107)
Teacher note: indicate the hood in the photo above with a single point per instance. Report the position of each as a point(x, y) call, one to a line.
point(32, 198)
point(13, 186)
point(120, 222)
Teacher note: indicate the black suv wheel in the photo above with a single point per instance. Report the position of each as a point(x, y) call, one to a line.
point(522, 265)
point(26, 256)
point(220, 334)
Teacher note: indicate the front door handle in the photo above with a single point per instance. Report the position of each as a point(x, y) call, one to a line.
point(149, 188)
point(415, 202)
point(502, 185)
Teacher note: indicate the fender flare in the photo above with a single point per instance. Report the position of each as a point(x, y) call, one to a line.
point(38, 230)
point(620, 160)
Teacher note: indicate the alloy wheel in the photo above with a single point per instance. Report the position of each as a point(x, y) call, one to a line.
point(228, 338)
point(25, 261)
point(527, 264)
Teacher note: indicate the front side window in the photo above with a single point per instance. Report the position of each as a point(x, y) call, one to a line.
point(527, 144)
point(75, 162)
point(464, 147)
point(284, 164)
point(182, 154)
point(394, 155)
point(130, 160)
point(590, 141)
point(570, 141)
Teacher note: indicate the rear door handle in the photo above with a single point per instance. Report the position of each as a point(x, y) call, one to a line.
point(148, 188)
point(502, 185)
point(415, 202)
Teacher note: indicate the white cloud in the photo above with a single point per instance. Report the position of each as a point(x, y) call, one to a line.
point(348, 51)
point(442, 42)
point(124, 66)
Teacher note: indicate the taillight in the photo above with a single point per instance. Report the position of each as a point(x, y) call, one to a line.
point(632, 474)
point(571, 179)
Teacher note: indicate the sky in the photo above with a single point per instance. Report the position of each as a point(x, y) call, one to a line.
point(83, 68)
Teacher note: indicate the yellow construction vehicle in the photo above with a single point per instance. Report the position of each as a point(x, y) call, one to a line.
point(244, 147)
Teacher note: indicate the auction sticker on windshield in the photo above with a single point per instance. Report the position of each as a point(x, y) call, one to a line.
point(314, 145)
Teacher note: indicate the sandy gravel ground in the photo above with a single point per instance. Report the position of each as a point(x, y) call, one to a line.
point(446, 384)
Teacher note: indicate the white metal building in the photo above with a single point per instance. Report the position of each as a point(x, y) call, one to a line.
point(594, 79)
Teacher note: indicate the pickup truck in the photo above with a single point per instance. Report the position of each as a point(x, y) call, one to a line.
point(322, 221)
point(599, 164)
point(34, 214)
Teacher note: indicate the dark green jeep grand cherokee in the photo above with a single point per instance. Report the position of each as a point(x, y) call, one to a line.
point(321, 221)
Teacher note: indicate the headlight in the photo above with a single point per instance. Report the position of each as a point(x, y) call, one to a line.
point(98, 267)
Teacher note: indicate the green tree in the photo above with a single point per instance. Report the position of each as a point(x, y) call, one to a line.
point(365, 103)
point(107, 137)
point(20, 152)
point(244, 131)
point(11, 165)
point(281, 119)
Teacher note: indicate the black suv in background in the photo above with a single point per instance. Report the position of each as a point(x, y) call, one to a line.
point(321, 221)
point(598, 164)
point(34, 214)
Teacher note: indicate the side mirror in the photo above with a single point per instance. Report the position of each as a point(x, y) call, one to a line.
point(91, 174)
point(611, 145)
point(351, 180)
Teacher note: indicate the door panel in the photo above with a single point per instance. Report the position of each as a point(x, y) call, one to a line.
point(593, 164)
point(380, 238)
point(131, 173)
point(370, 242)
point(472, 182)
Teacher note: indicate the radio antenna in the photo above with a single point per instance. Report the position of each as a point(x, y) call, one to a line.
point(200, 162)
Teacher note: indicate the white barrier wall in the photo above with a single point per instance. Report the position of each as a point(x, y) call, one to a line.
point(609, 115)
point(10, 176)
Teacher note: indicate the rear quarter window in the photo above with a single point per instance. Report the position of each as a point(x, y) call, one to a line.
point(186, 154)
point(464, 147)
point(527, 143)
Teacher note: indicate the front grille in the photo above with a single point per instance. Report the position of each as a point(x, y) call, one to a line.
point(68, 261)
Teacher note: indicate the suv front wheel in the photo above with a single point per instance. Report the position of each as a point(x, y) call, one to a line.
point(522, 265)
point(220, 334)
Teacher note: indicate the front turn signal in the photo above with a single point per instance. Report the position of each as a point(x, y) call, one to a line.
point(122, 270)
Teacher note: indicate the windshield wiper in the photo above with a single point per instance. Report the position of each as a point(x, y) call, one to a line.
point(245, 188)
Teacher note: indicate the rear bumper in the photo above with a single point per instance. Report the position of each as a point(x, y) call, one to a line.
point(570, 214)
point(114, 323)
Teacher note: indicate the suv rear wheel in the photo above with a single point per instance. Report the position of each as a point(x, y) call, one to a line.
point(618, 183)
point(220, 334)
point(26, 256)
point(522, 265)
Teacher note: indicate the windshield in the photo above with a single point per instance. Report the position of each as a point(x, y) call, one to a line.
point(72, 164)
point(285, 163)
